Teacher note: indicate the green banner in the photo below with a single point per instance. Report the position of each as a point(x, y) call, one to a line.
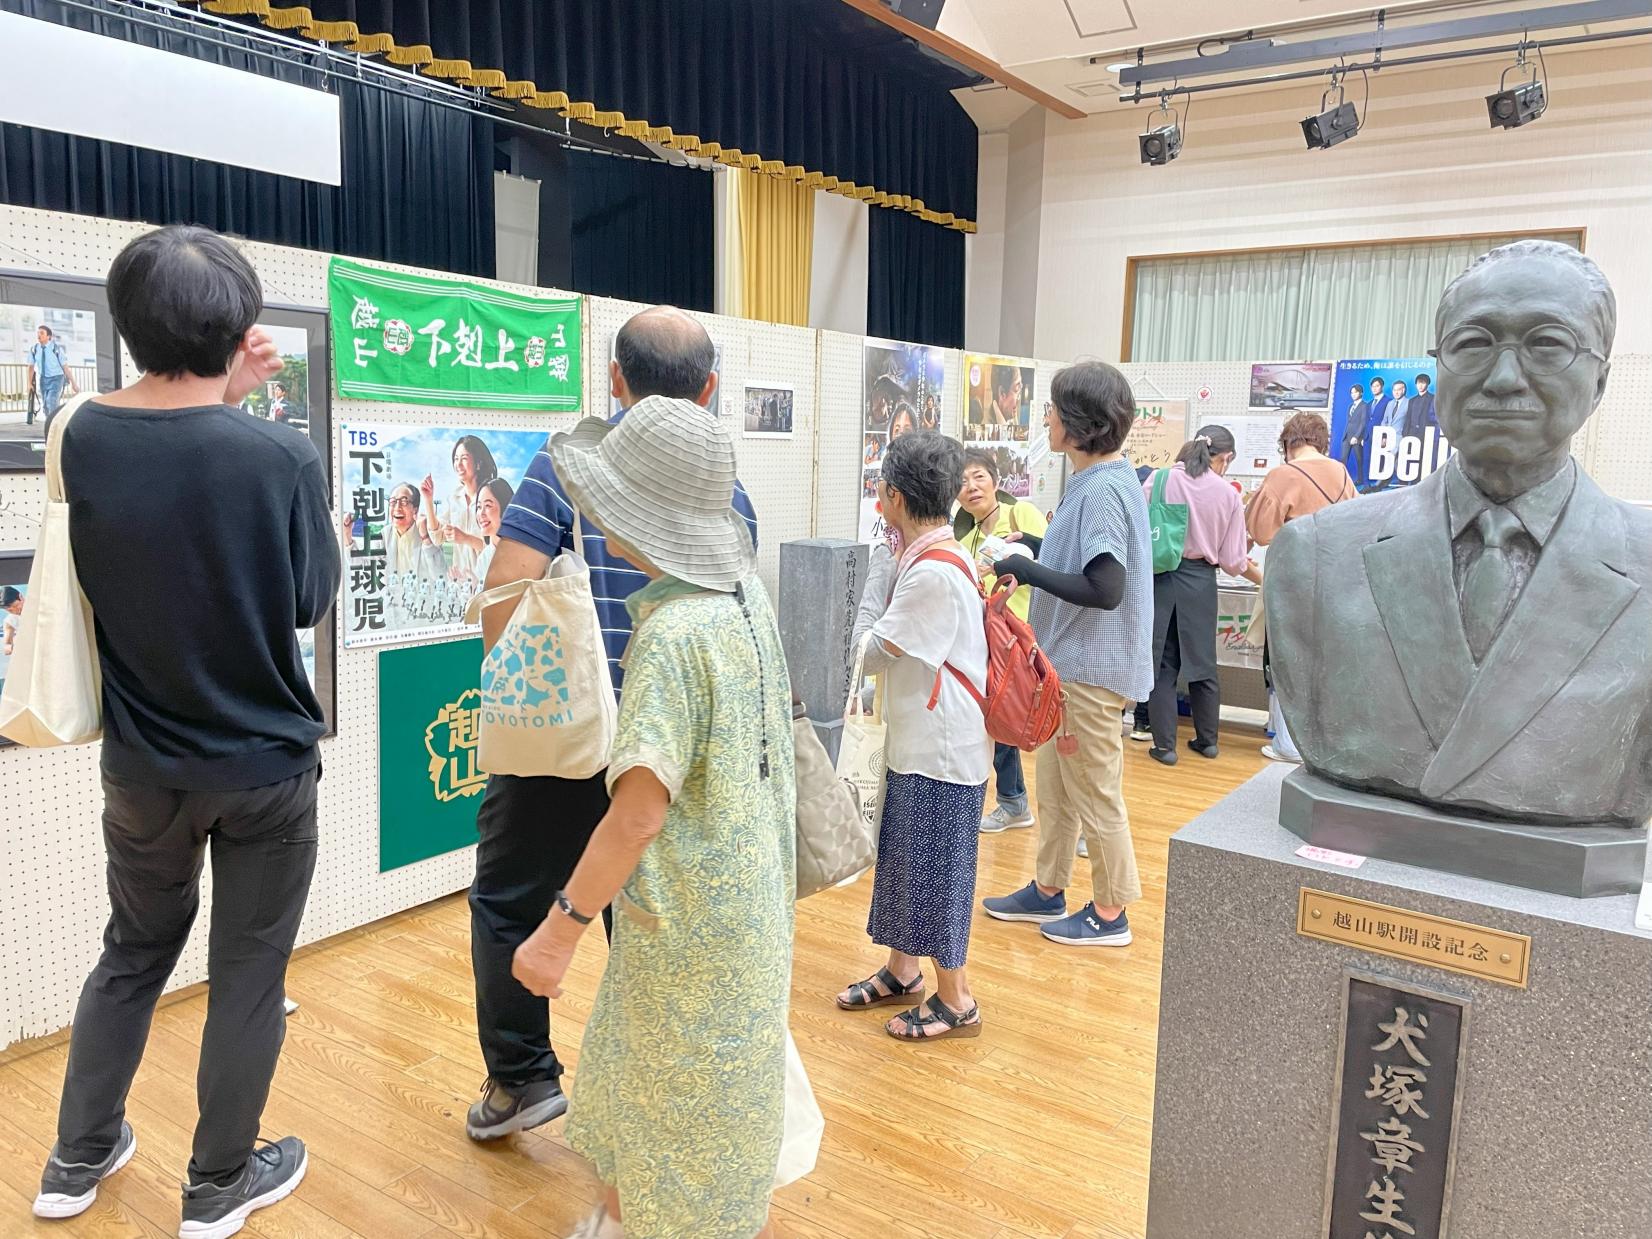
point(429, 782)
point(416, 339)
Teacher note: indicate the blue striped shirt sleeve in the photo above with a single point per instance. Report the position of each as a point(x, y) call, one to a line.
point(540, 515)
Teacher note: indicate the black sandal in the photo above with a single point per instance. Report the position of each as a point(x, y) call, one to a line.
point(864, 994)
point(966, 1025)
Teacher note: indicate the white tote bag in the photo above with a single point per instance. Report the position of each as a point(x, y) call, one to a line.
point(547, 698)
point(54, 688)
point(805, 1124)
point(860, 759)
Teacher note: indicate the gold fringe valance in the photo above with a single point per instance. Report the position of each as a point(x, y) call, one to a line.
point(425, 60)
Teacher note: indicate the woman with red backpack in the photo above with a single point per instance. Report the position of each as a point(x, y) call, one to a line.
point(921, 617)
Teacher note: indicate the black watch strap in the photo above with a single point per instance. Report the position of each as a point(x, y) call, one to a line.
point(568, 909)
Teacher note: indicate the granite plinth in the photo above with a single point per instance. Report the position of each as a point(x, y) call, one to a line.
point(820, 586)
point(1554, 1134)
point(1583, 862)
point(831, 735)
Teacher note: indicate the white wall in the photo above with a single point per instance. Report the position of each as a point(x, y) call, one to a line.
point(1024, 174)
point(837, 282)
point(1427, 164)
point(984, 249)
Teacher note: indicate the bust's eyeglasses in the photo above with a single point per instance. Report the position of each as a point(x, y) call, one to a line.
point(1548, 349)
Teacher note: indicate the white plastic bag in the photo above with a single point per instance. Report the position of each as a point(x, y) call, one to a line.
point(54, 688)
point(547, 698)
point(860, 757)
point(805, 1124)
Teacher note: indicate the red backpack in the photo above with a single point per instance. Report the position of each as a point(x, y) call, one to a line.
point(1024, 703)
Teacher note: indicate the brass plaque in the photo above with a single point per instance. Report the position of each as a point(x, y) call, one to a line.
point(1456, 946)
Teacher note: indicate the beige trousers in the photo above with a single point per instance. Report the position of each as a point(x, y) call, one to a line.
point(1085, 792)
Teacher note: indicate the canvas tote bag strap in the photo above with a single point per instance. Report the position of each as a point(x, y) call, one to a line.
point(487, 598)
point(54, 447)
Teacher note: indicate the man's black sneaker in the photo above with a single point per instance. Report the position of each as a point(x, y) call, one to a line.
point(68, 1189)
point(502, 1111)
point(271, 1174)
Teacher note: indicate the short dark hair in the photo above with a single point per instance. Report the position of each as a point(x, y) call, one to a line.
point(1358, 387)
point(1378, 381)
point(927, 468)
point(486, 467)
point(1197, 452)
point(1304, 429)
point(985, 459)
point(1096, 406)
point(664, 352)
point(1423, 378)
point(47, 330)
point(182, 298)
point(9, 595)
point(1003, 379)
point(500, 489)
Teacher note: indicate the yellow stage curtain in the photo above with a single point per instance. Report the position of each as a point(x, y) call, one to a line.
point(777, 229)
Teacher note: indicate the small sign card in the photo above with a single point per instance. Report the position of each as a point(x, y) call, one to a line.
point(1325, 856)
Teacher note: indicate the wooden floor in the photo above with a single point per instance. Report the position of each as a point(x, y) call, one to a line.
point(1039, 1129)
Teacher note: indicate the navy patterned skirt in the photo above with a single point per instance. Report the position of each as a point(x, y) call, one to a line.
point(923, 891)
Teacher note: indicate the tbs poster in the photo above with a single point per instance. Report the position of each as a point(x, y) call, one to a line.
point(422, 507)
point(998, 403)
point(1384, 426)
point(902, 393)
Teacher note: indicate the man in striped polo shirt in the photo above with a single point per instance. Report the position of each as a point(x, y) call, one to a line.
point(533, 830)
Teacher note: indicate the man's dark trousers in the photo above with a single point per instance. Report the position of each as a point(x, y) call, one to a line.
point(263, 844)
point(532, 832)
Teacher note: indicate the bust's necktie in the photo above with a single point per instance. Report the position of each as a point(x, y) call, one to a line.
point(1491, 583)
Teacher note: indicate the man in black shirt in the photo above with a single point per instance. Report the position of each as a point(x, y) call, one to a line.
point(203, 540)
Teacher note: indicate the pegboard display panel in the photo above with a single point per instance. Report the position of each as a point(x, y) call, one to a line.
point(842, 438)
point(1619, 436)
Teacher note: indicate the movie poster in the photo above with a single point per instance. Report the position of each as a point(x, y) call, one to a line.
point(902, 393)
point(57, 340)
point(1384, 426)
point(1290, 385)
point(422, 507)
point(1158, 434)
point(998, 402)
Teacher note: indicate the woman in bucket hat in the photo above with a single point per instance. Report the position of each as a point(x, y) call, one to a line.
point(680, 1099)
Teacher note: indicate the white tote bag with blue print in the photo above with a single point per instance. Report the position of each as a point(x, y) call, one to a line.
point(547, 697)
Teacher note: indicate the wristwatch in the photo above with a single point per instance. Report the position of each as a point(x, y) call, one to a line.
point(568, 909)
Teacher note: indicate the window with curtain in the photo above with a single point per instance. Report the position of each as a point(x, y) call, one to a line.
point(1331, 302)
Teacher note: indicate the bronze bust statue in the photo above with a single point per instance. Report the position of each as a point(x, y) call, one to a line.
point(1482, 642)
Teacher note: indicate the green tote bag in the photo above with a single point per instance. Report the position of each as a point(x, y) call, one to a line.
point(1169, 523)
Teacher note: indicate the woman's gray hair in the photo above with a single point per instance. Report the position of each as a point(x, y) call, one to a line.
point(927, 468)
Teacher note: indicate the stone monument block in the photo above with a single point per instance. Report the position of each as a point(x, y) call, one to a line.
point(1300, 996)
point(820, 585)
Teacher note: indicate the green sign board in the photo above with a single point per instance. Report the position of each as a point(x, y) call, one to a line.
point(429, 781)
point(417, 339)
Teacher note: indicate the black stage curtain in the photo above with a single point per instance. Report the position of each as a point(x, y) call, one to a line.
point(914, 280)
point(643, 231)
point(783, 79)
point(418, 177)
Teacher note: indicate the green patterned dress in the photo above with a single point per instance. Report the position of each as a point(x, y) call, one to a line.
point(679, 1096)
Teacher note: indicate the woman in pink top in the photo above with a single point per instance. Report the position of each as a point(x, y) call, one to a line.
point(1184, 599)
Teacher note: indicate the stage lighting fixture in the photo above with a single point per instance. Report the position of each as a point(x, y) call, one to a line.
point(1522, 103)
point(1333, 124)
point(1162, 142)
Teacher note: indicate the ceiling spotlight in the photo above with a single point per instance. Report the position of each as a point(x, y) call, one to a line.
point(1163, 141)
point(1333, 124)
point(1523, 103)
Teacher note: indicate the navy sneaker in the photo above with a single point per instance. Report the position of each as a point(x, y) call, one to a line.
point(67, 1189)
point(502, 1111)
point(1165, 757)
point(214, 1211)
point(1027, 904)
point(1086, 928)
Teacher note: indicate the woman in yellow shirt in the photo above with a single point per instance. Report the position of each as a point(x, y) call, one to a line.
point(985, 513)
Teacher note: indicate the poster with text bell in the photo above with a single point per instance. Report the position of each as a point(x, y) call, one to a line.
point(1384, 426)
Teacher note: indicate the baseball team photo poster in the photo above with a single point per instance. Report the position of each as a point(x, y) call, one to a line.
point(1384, 425)
point(903, 392)
point(998, 403)
point(422, 507)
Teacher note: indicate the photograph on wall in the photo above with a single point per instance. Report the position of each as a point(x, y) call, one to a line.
point(715, 404)
point(902, 392)
point(1158, 433)
point(1290, 385)
point(299, 396)
point(998, 401)
point(14, 599)
point(1384, 426)
point(414, 339)
point(430, 782)
point(422, 507)
point(56, 341)
point(769, 410)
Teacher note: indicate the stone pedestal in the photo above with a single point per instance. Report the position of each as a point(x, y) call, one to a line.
point(1554, 1118)
point(820, 585)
